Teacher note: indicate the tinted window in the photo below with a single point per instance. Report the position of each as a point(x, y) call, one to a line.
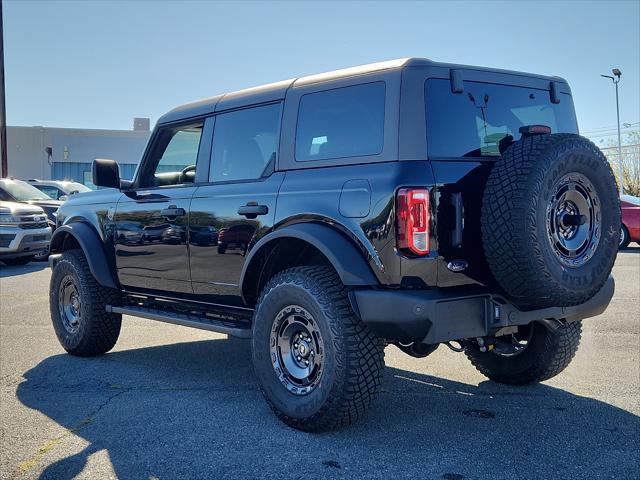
point(181, 151)
point(472, 123)
point(245, 143)
point(174, 155)
point(344, 122)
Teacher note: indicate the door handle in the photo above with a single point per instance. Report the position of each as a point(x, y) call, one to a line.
point(252, 210)
point(173, 211)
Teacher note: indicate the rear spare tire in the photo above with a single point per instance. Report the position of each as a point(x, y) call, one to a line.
point(551, 220)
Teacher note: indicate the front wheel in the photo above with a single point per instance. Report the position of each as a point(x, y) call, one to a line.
point(318, 366)
point(534, 354)
point(78, 308)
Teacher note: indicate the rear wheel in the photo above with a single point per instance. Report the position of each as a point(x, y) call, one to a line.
point(534, 354)
point(318, 366)
point(78, 308)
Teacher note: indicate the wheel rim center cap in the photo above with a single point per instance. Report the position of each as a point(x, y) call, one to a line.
point(75, 304)
point(303, 349)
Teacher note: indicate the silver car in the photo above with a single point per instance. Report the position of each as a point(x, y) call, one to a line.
point(58, 189)
point(24, 232)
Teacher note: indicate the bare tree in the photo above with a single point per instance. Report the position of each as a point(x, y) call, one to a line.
point(630, 161)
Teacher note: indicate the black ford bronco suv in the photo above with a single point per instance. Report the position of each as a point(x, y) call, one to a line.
point(408, 202)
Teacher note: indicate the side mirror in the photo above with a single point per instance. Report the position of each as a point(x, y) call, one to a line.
point(63, 198)
point(106, 173)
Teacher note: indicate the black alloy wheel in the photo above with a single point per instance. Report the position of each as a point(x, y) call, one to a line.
point(574, 220)
point(297, 350)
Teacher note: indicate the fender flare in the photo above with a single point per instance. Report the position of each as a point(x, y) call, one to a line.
point(89, 241)
point(347, 260)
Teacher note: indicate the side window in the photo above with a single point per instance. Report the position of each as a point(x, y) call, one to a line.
point(173, 157)
point(245, 143)
point(344, 122)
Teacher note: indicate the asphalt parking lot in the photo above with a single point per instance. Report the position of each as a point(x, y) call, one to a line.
point(171, 402)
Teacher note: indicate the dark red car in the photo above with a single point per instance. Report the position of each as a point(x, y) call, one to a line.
point(630, 230)
point(236, 236)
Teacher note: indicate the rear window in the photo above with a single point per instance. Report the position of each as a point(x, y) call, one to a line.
point(472, 123)
point(344, 122)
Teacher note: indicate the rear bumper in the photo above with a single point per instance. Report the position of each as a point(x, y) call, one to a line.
point(438, 315)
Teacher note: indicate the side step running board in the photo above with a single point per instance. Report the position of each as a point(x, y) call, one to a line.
point(186, 320)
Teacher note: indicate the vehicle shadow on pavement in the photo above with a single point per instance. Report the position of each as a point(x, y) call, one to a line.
point(193, 410)
point(12, 271)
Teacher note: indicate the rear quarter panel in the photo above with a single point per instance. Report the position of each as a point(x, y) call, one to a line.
point(335, 195)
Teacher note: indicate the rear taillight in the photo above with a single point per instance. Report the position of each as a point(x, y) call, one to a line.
point(413, 220)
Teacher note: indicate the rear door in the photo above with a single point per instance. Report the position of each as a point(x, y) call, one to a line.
point(237, 206)
point(466, 132)
point(152, 218)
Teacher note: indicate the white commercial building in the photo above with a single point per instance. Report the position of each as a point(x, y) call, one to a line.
point(67, 153)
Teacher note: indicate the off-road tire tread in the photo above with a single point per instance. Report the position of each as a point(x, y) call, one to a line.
point(523, 273)
point(101, 327)
point(360, 376)
point(558, 349)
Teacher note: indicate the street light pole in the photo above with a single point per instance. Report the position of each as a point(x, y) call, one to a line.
point(616, 79)
point(3, 116)
point(619, 141)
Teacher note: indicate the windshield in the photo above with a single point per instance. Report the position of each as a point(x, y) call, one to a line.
point(474, 123)
point(22, 191)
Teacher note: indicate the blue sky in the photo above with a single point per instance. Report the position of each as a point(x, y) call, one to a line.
point(99, 64)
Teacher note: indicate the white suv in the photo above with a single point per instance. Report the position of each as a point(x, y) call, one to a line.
point(24, 232)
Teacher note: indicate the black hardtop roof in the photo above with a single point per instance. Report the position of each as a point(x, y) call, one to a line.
point(276, 91)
